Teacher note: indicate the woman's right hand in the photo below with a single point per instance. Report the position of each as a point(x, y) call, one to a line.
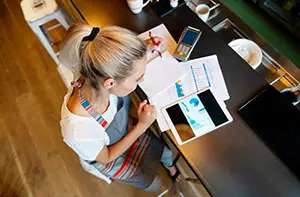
point(146, 113)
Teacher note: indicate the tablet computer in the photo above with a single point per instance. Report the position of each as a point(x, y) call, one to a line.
point(195, 115)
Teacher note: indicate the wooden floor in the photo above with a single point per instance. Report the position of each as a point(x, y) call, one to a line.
point(34, 161)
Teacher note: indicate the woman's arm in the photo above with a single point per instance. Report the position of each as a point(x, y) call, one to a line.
point(109, 154)
point(146, 115)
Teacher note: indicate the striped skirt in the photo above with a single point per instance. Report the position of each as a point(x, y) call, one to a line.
point(138, 165)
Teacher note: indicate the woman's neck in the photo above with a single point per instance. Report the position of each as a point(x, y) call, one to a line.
point(99, 99)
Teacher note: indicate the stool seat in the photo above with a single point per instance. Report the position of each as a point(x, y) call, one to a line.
point(35, 9)
point(39, 12)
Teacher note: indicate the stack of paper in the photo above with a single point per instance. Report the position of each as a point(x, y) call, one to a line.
point(202, 73)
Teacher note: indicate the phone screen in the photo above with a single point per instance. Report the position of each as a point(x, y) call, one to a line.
point(196, 115)
point(189, 37)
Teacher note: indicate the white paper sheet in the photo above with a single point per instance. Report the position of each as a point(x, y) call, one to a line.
point(208, 73)
point(161, 73)
point(202, 73)
point(168, 44)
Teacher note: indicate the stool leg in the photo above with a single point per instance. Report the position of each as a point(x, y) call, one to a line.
point(46, 33)
point(70, 20)
point(37, 30)
point(61, 18)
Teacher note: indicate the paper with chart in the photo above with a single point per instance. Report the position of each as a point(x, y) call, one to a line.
point(161, 73)
point(207, 73)
point(201, 73)
point(168, 44)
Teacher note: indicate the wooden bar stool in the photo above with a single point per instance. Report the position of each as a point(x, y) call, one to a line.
point(39, 12)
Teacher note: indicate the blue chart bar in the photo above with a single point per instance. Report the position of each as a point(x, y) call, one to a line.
point(206, 74)
point(179, 89)
point(194, 77)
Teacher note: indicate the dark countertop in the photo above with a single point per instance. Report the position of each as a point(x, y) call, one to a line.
point(275, 68)
point(231, 161)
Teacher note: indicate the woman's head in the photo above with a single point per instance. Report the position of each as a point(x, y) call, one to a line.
point(114, 60)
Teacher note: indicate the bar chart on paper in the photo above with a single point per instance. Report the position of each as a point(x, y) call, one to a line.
point(200, 76)
point(206, 72)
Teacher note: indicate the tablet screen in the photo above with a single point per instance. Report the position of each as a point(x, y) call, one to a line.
point(196, 115)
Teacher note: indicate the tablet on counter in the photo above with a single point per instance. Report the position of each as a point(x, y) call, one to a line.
point(195, 115)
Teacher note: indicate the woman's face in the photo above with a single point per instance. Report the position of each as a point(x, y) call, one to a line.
point(129, 84)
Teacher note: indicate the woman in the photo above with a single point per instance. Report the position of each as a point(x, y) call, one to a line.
point(95, 123)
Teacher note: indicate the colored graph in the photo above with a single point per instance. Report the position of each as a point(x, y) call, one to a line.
point(194, 102)
point(179, 89)
point(195, 125)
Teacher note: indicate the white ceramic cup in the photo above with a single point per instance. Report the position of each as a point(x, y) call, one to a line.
point(136, 6)
point(173, 3)
point(202, 11)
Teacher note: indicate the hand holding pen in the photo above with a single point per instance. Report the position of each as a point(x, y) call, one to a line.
point(154, 43)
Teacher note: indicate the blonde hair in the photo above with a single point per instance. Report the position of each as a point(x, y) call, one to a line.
point(110, 55)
